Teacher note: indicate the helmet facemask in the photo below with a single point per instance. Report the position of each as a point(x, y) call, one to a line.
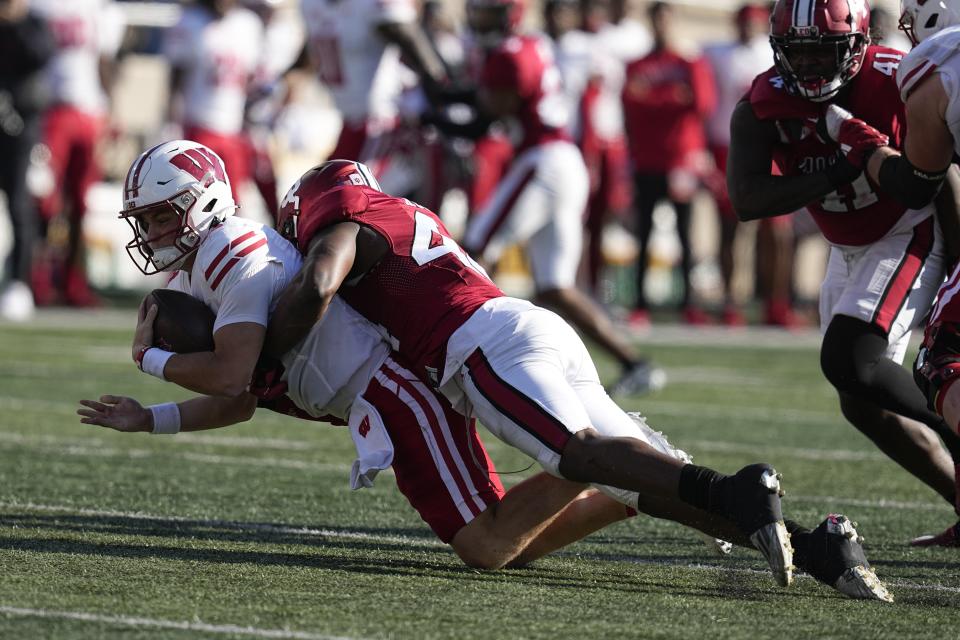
point(816, 67)
point(908, 25)
point(186, 237)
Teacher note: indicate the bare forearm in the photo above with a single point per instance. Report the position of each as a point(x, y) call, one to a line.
point(208, 412)
point(417, 51)
point(296, 312)
point(205, 373)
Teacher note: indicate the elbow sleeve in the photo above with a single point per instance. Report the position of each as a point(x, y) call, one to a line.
point(909, 185)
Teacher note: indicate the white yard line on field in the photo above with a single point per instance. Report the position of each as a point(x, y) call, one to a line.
point(234, 525)
point(416, 542)
point(129, 621)
point(241, 442)
point(872, 504)
point(85, 450)
point(801, 453)
point(710, 410)
point(900, 584)
point(691, 410)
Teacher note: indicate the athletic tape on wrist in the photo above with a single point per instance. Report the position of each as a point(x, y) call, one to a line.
point(166, 418)
point(154, 360)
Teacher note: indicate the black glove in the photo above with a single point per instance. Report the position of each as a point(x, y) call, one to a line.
point(842, 172)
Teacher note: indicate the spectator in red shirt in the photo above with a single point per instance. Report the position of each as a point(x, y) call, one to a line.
point(666, 97)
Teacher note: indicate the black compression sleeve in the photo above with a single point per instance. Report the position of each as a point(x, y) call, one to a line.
point(909, 185)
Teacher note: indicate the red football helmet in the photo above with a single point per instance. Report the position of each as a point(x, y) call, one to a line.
point(318, 180)
point(819, 45)
point(493, 20)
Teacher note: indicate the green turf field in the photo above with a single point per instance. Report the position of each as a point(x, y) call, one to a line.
point(252, 531)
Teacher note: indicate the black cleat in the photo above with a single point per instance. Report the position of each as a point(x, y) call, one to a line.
point(756, 508)
point(836, 558)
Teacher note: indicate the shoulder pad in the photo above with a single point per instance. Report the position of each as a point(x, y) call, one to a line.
point(923, 60)
point(770, 100)
point(337, 205)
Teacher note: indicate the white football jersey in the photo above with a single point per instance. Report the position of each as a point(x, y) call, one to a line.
point(616, 45)
point(360, 69)
point(219, 57)
point(83, 31)
point(574, 56)
point(734, 67)
point(240, 271)
point(940, 54)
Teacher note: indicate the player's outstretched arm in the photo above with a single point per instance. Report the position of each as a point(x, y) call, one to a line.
point(754, 191)
point(416, 49)
point(122, 413)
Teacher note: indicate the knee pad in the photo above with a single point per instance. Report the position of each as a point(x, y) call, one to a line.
point(850, 349)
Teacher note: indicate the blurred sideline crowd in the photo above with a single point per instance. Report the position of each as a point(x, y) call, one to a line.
point(275, 86)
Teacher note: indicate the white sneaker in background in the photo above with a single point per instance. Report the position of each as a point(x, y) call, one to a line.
point(16, 302)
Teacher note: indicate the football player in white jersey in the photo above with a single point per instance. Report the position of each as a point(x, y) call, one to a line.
point(214, 51)
point(178, 201)
point(87, 34)
point(929, 82)
point(355, 47)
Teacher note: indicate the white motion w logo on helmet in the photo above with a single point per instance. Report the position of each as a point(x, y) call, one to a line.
point(180, 176)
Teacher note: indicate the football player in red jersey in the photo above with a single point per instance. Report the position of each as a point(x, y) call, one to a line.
point(178, 202)
point(887, 259)
point(928, 87)
point(541, 200)
point(521, 370)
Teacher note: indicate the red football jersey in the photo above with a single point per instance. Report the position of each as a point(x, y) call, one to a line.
point(422, 290)
point(856, 214)
point(666, 99)
point(525, 64)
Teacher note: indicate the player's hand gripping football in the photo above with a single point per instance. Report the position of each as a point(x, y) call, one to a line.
point(143, 334)
point(856, 138)
point(116, 412)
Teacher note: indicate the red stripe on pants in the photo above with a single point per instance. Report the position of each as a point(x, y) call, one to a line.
point(900, 285)
point(513, 404)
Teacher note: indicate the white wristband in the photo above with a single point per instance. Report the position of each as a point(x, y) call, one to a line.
point(166, 417)
point(154, 360)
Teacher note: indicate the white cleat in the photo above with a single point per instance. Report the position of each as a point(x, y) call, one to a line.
point(862, 583)
point(773, 542)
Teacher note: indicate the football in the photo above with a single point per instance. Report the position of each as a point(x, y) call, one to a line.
point(183, 324)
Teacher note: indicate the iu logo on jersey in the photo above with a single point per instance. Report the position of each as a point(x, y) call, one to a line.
point(364, 428)
point(200, 164)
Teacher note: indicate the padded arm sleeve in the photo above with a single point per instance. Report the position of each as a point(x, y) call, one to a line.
point(909, 185)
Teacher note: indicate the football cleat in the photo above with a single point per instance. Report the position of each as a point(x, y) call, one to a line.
point(837, 559)
point(660, 443)
point(949, 538)
point(640, 378)
point(757, 511)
